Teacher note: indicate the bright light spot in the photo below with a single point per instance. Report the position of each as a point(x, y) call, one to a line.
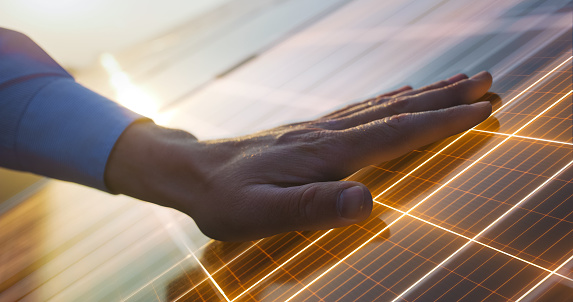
point(131, 95)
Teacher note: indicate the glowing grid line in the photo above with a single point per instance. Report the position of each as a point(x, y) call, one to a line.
point(222, 267)
point(504, 214)
point(485, 229)
point(496, 111)
point(524, 137)
point(422, 164)
point(219, 269)
point(266, 276)
point(473, 240)
point(404, 177)
point(280, 266)
point(387, 189)
point(447, 182)
point(199, 283)
point(172, 267)
point(177, 235)
point(554, 272)
point(210, 277)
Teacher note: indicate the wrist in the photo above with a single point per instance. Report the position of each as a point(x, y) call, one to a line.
point(155, 164)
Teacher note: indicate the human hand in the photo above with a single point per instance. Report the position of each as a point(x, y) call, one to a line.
point(286, 178)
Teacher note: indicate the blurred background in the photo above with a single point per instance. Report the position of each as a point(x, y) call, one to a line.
point(77, 32)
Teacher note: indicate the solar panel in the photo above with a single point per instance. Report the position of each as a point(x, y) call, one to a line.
point(472, 217)
point(484, 215)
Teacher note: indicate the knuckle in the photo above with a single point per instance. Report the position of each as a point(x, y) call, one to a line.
point(304, 204)
point(395, 125)
point(396, 129)
point(289, 136)
point(311, 149)
point(332, 123)
point(379, 100)
point(399, 105)
point(316, 139)
point(367, 101)
point(306, 135)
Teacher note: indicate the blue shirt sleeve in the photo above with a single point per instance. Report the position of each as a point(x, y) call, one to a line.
point(49, 124)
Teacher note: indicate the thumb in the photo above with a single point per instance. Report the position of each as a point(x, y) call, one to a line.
point(323, 205)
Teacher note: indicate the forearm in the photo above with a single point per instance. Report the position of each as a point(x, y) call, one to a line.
point(49, 124)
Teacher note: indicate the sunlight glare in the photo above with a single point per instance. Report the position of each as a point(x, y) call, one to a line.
point(131, 95)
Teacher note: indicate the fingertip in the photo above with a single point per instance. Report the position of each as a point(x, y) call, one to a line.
point(482, 104)
point(471, 115)
point(475, 87)
point(485, 107)
point(484, 76)
point(355, 202)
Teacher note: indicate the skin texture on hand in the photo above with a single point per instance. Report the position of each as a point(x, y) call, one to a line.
point(287, 178)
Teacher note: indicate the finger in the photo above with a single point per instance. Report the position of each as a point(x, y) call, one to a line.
point(406, 92)
point(386, 139)
point(463, 92)
point(452, 80)
point(456, 78)
point(316, 206)
point(370, 102)
point(395, 92)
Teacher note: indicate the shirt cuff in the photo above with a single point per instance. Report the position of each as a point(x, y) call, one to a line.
point(68, 131)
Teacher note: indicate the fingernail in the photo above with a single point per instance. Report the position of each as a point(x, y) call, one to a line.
point(480, 75)
point(482, 104)
point(351, 202)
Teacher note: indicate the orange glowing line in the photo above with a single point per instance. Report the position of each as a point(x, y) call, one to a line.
point(211, 278)
point(422, 164)
point(226, 264)
point(496, 111)
point(473, 240)
point(181, 261)
point(483, 231)
point(543, 280)
point(534, 83)
point(222, 267)
point(525, 137)
point(280, 266)
point(148, 283)
point(400, 180)
point(393, 222)
point(457, 175)
point(404, 213)
point(184, 241)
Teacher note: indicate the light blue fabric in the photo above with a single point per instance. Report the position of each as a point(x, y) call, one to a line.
point(49, 124)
